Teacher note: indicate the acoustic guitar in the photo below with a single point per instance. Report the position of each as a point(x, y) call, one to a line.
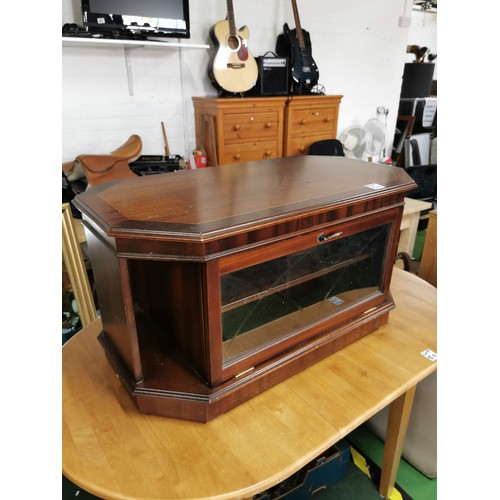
point(232, 67)
point(296, 45)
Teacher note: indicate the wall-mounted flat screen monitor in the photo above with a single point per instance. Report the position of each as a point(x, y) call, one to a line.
point(137, 18)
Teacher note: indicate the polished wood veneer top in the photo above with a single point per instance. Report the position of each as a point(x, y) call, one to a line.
point(216, 198)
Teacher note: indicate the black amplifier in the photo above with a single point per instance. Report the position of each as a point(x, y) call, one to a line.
point(273, 76)
point(156, 164)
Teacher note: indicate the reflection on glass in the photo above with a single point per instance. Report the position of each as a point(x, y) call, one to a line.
point(272, 300)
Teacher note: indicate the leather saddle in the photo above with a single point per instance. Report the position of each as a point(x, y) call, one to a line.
point(115, 165)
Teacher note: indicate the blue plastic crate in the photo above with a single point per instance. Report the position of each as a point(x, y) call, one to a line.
point(325, 470)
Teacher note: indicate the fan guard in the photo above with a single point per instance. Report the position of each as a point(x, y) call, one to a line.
point(377, 131)
point(355, 141)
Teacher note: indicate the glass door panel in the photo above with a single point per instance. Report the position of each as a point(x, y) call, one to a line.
point(267, 302)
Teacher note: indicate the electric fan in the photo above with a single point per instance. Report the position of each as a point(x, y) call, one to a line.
point(355, 141)
point(377, 131)
point(363, 142)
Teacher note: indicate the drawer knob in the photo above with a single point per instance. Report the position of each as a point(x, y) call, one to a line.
point(303, 121)
point(237, 156)
point(328, 119)
point(267, 153)
point(236, 127)
point(251, 119)
point(316, 113)
point(302, 149)
point(269, 125)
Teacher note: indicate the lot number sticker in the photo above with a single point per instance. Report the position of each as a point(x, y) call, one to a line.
point(430, 355)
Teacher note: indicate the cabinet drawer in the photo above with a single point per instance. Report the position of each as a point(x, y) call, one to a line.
point(300, 145)
point(239, 127)
point(250, 151)
point(312, 121)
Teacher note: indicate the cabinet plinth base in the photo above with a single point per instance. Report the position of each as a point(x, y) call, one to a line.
point(173, 389)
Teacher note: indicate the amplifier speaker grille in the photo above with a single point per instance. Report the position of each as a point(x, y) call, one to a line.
point(273, 76)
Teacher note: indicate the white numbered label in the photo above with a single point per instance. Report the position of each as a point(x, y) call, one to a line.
point(374, 186)
point(430, 355)
point(336, 301)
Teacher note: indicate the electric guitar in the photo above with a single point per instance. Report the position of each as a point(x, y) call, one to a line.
point(232, 67)
point(296, 45)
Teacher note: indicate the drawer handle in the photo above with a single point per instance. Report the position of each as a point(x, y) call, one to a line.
point(236, 127)
point(269, 125)
point(251, 119)
point(237, 156)
point(322, 237)
point(267, 153)
point(303, 122)
point(328, 119)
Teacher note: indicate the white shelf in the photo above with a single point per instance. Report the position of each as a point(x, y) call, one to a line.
point(127, 45)
point(106, 42)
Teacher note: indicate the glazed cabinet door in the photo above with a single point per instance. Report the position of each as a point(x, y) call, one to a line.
point(270, 303)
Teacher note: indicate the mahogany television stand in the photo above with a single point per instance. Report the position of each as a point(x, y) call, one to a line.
point(216, 284)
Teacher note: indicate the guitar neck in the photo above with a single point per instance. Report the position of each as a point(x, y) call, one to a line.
point(230, 18)
point(298, 28)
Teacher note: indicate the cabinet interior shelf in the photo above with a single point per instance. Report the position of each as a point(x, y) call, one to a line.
point(291, 282)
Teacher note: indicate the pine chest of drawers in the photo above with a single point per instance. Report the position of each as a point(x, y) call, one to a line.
point(309, 119)
point(239, 129)
point(236, 130)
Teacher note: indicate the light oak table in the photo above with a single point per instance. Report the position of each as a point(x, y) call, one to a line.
point(428, 264)
point(115, 452)
point(73, 235)
point(409, 224)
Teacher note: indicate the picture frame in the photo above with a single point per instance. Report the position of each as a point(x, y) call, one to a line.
point(417, 150)
point(404, 128)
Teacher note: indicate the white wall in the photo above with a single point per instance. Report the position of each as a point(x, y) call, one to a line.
point(357, 44)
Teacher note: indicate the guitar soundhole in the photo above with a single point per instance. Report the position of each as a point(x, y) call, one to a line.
point(233, 42)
